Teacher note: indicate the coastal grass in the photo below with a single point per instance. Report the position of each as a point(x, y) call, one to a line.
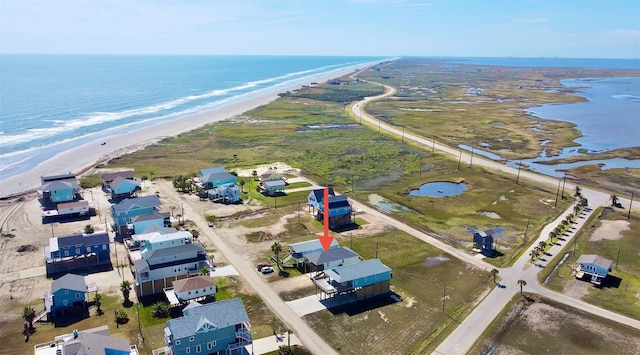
point(420, 274)
point(350, 157)
point(620, 292)
point(537, 325)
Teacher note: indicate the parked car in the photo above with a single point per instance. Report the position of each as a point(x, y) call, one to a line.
point(210, 224)
point(261, 265)
point(266, 270)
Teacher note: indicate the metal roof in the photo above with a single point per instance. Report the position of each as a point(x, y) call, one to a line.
point(128, 203)
point(219, 315)
point(83, 240)
point(127, 174)
point(319, 194)
point(273, 183)
point(69, 282)
point(208, 171)
point(356, 271)
point(310, 245)
point(331, 255)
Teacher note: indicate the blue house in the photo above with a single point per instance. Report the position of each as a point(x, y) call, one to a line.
point(67, 292)
point(593, 266)
point(215, 328)
point(316, 198)
point(483, 241)
point(339, 211)
point(145, 221)
point(125, 210)
point(334, 257)
point(77, 251)
point(354, 282)
point(215, 177)
point(122, 188)
point(271, 187)
point(59, 188)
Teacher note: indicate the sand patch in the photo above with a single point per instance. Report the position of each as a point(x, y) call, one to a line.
point(541, 317)
point(409, 302)
point(610, 230)
point(383, 316)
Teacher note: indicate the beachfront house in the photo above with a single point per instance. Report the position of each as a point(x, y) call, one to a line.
point(122, 188)
point(156, 269)
point(354, 282)
point(332, 258)
point(271, 187)
point(594, 267)
point(74, 209)
point(316, 198)
point(192, 288)
point(215, 328)
point(483, 241)
point(229, 193)
point(66, 293)
point(95, 341)
point(123, 211)
point(77, 251)
point(299, 251)
point(339, 212)
point(59, 188)
point(108, 178)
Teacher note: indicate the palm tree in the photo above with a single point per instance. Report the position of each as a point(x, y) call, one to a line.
point(552, 235)
point(578, 191)
point(254, 174)
point(241, 183)
point(125, 287)
point(204, 270)
point(195, 233)
point(577, 208)
point(522, 284)
point(276, 248)
point(494, 273)
point(542, 245)
point(29, 314)
point(97, 298)
point(533, 253)
point(614, 200)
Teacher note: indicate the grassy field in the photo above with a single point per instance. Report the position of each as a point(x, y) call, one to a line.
point(620, 292)
point(415, 325)
point(345, 157)
point(536, 325)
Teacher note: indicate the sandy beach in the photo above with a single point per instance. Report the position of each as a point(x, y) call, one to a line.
point(84, 157)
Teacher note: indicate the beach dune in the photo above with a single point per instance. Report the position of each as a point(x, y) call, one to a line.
point(84, 157)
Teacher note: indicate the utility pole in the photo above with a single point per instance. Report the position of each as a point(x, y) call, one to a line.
point(459, 158)
point(557, 192)
point(298, 212)
point(420, 165)
point(527, 229)
point(564, 180)
point(630, 204)
point(379, 120)
point(376, 249)
point(444, 296)
point(519, 167)
point(471, 159)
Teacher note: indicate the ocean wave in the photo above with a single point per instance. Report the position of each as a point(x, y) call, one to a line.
point(626, 97)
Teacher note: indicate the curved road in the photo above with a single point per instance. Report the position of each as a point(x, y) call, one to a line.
point(465, 335)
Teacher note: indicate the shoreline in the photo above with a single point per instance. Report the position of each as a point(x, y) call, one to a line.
point(85, 157)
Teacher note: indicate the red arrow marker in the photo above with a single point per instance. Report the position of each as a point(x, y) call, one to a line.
point(326, 239)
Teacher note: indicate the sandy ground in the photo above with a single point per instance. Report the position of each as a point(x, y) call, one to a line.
point(91, 154)
point(611, 230)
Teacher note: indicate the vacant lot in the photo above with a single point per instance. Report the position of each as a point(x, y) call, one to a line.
point(537, 325)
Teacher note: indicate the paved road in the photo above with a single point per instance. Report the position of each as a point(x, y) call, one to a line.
point(307, 336)
point(463, 337)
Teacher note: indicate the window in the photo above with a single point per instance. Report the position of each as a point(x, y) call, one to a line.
point(66, 292)
point(104, 247)
point(377, 276)
point(188, 350)
point(177, 342)
point(211, 344)
point(88, 249)
point(191, 338)
point(66, 252)
point(77, 251)
point(198, 348)
point(77, 295)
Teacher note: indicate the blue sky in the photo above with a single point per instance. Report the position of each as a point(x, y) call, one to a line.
point(497, 28)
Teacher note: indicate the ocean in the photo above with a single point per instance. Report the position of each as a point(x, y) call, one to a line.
point(51, 102)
